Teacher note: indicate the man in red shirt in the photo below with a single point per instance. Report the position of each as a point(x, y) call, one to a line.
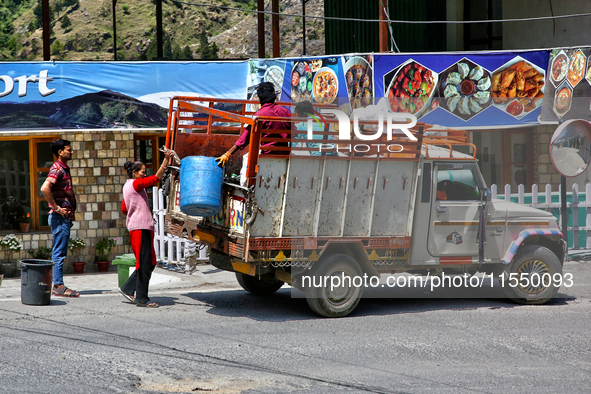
point(267, 97)
point(59, 193)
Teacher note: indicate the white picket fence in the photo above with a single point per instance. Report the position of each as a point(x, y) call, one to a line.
point(171, 250)
point(578, 206)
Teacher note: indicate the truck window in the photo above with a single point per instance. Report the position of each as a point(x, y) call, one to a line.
point(426, 194)
point(456, 182)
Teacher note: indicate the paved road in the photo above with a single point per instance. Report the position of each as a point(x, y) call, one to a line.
point(210, 336)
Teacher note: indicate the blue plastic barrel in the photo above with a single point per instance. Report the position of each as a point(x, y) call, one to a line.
point(201, 186)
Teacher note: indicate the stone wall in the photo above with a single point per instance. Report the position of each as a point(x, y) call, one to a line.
point(98, 177)
point(544, 171)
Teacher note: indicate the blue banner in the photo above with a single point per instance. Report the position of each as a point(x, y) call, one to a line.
point(451, 90)
point(464, 90)
point(66, 95)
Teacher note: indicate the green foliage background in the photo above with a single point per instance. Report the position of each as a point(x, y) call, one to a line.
point(83, 31)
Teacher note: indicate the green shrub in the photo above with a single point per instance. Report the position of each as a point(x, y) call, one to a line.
point(42, 253)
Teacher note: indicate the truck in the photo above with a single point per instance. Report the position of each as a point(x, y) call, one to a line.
point(412, 203)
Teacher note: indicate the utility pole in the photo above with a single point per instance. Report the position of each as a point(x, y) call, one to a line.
point(159, 44)
point(275, 28)
point(114, 31)
point(45, 24)
point(383, 30)
point(304, 26)
point(261, 27)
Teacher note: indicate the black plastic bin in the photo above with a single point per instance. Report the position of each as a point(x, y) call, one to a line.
point(36, 281)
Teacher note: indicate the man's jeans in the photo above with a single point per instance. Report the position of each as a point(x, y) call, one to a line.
point(60, 228)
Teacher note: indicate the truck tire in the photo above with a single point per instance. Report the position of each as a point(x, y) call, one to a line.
point(540, 263)
point(342, 300)
point(258, 286)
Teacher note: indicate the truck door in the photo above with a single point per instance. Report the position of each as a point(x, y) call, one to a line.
point(455, 210)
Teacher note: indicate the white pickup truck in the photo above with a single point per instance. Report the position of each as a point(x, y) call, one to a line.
point(425, 210)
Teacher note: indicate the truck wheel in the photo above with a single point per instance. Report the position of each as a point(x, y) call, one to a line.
point(258, 286)
point(340, 300)
point(540, 265)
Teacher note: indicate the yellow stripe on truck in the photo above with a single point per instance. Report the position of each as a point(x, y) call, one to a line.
point(244, 268)
point(200, 236)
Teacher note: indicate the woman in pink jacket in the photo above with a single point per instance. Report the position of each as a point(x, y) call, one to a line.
point(140, 224)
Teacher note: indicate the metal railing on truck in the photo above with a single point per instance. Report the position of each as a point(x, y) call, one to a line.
point(209, 127)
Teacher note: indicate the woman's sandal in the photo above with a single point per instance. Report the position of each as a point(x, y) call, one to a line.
point(63, 292)
point(148, 305)
point(129, 297)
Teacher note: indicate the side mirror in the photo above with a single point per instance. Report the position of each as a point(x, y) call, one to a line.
point(486, 195)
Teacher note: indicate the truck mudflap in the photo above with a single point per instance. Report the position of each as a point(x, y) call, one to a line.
point(522, 236)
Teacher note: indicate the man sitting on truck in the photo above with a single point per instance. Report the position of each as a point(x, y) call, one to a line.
point(267, 97)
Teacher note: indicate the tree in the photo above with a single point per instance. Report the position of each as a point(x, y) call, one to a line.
point(34, 45)
point(206, 50)
point(12, 44)
point(167, 48)
point(57, 47)
point(213, 51)
point(59, 6)
point(187, 54)
point(66, 22)
point(38, 11)
point(176, 52)
point(152, 50)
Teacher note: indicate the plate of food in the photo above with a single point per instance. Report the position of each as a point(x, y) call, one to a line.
point(559, 68)
point(563, 99)
point(274, 74)
point(576, 68)
point(325, 86)
point(315, 65)
point(358, 77)
point(465, 89)
point(515, 108)
point(301, 81)
point(411, 88)
point(518, 79)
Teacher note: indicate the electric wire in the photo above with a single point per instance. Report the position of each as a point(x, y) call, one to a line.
point(390, 28)
point(540, 18)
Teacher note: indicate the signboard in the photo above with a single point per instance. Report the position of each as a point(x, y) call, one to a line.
point(450, 89)
point(89, 95)
point(465, 90)
point(568, 91)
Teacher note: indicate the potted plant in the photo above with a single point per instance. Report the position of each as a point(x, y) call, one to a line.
point(11, 212)
point(76, 245)
point(25, 222)
point(10, 245)
point(103, 249)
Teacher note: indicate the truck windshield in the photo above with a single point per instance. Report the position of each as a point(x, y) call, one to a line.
point(457, 181)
